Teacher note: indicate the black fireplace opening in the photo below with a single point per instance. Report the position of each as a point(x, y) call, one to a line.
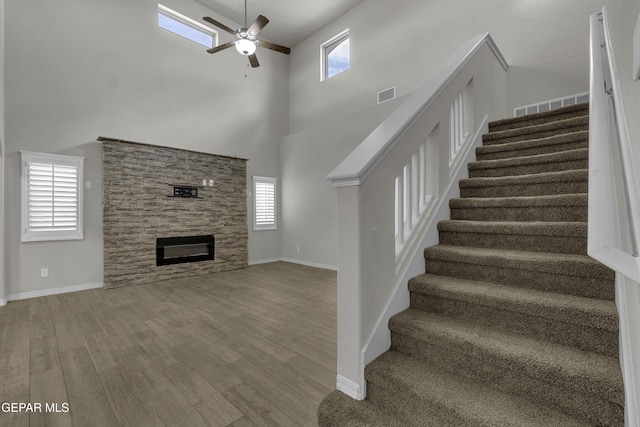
point(177, 250)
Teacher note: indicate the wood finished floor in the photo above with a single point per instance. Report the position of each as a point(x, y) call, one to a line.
point(252, 347)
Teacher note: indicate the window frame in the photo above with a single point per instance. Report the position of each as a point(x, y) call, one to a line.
point(191, 23)
point(268, 181)
point(325, 50)
point(30, 235)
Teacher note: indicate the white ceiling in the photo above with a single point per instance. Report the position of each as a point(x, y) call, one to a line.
point(290, 21)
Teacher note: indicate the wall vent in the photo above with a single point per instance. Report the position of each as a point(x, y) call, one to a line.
point(387, 95)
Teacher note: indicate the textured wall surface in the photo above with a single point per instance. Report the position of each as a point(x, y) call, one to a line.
point(137, 210)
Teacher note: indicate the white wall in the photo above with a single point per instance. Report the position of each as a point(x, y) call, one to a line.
point(400, 44)
point(309, 200)
point(76, 70)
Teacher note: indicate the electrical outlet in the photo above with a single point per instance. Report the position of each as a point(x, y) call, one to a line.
point(297, 248)
point(44, 272)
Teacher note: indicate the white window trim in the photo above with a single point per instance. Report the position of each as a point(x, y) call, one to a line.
point(29, 235)
point(323, 55)
point(265, 180)
point(177, 16)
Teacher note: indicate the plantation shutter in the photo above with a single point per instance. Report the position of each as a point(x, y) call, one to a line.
point(264, 203)
point(52, 197)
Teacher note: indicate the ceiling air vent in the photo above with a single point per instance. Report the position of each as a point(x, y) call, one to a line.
point(387, 95)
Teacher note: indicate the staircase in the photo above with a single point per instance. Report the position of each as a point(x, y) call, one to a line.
point(512, 324)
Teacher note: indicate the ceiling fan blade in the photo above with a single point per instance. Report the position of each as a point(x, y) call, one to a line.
point(253, 60)
point(275, 47)
point(219, 25)
point(258, 25)
point(221, 47)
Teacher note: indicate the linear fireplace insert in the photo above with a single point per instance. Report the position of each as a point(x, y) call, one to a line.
point(176, 250)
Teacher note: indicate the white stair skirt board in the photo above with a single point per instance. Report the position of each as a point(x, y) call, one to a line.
point(380, 339)
point(47, 292)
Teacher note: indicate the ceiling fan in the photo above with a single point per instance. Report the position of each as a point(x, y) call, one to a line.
point(246, 42)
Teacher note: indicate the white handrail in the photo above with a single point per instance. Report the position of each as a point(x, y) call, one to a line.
point(604, 230)
point(605, 225)
point(358, 165)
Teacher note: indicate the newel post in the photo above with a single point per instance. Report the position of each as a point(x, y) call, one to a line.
point(350, 378)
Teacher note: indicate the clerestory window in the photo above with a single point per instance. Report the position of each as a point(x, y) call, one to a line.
point(186, 27)
point(336, 55)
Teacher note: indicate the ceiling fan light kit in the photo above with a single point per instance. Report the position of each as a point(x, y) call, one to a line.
point(246, 46)
point(246, 42)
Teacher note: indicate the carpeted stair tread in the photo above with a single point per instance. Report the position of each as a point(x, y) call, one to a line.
point(563, 229)
point(556, 364)
point(550, 208)
point(538, 236)
point(545, 183)
point(542, 130)
point(561, 264)
point(453, 399)
point(550, 144)
point(556, 272)
point(564, 160)
point(528, 201)
point(574, 110)
point(585, 323)
point(571, 309)
point(339, 410)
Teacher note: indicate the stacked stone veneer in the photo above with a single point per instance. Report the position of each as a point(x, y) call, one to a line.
point(137, 210)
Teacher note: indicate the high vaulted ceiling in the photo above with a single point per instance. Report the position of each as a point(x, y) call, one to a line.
point(291, 21)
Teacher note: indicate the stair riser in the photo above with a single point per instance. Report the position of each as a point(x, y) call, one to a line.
point(511, 376)
point(509, 275)
point(517, 190)
point(437, 415)
point(528, 169)
point(494, 138)
point(339, 410)
point(542, 243)
point(379, 387)
point(507, 318)
point(524, 213)
point(545, 149)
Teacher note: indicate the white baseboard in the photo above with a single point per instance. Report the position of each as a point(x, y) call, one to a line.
point(3, 302)
point(349, 388)
point(295, 261)
point(311, 264)
point(55, 291)
point(264, 261)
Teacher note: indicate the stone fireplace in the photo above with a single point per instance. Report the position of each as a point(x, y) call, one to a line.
point(155, 204)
